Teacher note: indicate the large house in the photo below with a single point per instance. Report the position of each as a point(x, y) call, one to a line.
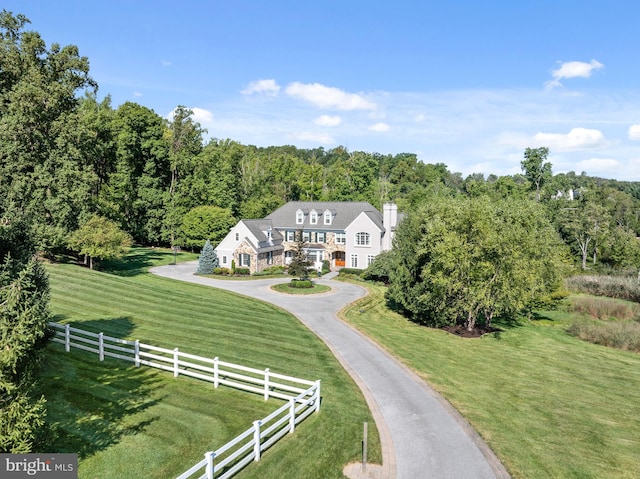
point(347, 234)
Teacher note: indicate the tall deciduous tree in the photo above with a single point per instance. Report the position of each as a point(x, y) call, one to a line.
point(43, 167)
point(204, 223)
point(461, 259)
point(24, 313)
point(536, 169)
point(184, 137)
point(137, 187)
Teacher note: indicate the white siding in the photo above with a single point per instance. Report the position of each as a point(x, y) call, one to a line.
point(228, 245)
point(363, 224)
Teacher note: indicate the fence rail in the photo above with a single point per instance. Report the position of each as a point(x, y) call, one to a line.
point(302, 396)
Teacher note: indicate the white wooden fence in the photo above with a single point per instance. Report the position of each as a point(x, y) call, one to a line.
point(302, 396)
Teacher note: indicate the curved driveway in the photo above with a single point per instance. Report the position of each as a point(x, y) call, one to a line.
point(422, 435)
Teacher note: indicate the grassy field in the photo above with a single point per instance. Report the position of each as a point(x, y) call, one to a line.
point(548, 404)
point(129, 423)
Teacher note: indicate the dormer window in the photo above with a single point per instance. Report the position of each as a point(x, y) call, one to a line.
point(299, 217)
point(313, 217)
point(269, 235)
point(327, 217)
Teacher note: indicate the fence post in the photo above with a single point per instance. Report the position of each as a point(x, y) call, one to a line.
point(101, 346)
point(292, 415)
point(215, 372)
point(256, 440)
point(209, 457)
point(176, 370)
point(266, 384)
point(67, 338)
point(317, 399)
point(136, 352)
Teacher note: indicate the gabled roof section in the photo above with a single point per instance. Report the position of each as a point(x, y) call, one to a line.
point(258, 228)
point(376, 219)
point(344, 212)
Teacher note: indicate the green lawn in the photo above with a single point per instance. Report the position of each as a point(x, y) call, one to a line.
point(548, 404)
point(129, 422)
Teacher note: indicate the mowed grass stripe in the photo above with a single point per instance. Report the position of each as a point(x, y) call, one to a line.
point(163, 305)
point(547, 403)
point(175, 424)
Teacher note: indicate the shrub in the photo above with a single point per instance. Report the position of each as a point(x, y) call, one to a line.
point(242, 271)
point(616, 334)
point(605, 308)
point(222, 271)
point(301, 283)
point(326, 266)
point(379, 269)
point(348, 271)
point(621, 287)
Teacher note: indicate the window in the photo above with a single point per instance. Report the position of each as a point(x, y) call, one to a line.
point(270, 257)
point(327, 217)
point(313, 217)
point(245, 260)
point(291, 236)
point(363, 239)
point(321, 237)
point(288, 256)
point(299, 217)
point(237, 236)
point(224, 260)
point(341, 238)
point(268, 234)
point(306, 236)
point(354, 261)
point(370, 259)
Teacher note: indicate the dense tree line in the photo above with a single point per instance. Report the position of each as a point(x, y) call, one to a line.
point(66, 156)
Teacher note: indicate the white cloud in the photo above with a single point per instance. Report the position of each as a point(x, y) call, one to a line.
point(634, 132)
point(328, 97)
point(419, 118)
point(266, 87)
point(572, 70)
point(202, 116)
point(137, 94)
point(379, 127)
point(576, 139)
point(327, 120)
point(321, 138)
point(598, 166)
point(165, 63)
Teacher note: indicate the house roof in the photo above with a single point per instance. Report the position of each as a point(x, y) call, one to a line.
point(258, 228)
point(343, 212)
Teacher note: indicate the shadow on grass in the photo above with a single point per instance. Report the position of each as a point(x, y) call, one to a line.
point(93, 404)
point(137, 262)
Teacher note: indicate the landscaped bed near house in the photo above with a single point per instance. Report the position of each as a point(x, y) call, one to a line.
point(548, 404)
point(166, 424)
point(289, 289)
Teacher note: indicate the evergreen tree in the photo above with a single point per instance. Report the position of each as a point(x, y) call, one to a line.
point(24, 297)
point(208, 260)
point(300, 264)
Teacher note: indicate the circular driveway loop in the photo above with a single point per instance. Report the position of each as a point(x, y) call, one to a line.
point(422, 435)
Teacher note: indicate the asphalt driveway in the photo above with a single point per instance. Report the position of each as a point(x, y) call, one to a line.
point(422, 435)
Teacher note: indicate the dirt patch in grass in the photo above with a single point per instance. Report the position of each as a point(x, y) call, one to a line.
point(476, 332)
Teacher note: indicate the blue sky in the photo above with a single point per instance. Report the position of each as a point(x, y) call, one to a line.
point(467, 83)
